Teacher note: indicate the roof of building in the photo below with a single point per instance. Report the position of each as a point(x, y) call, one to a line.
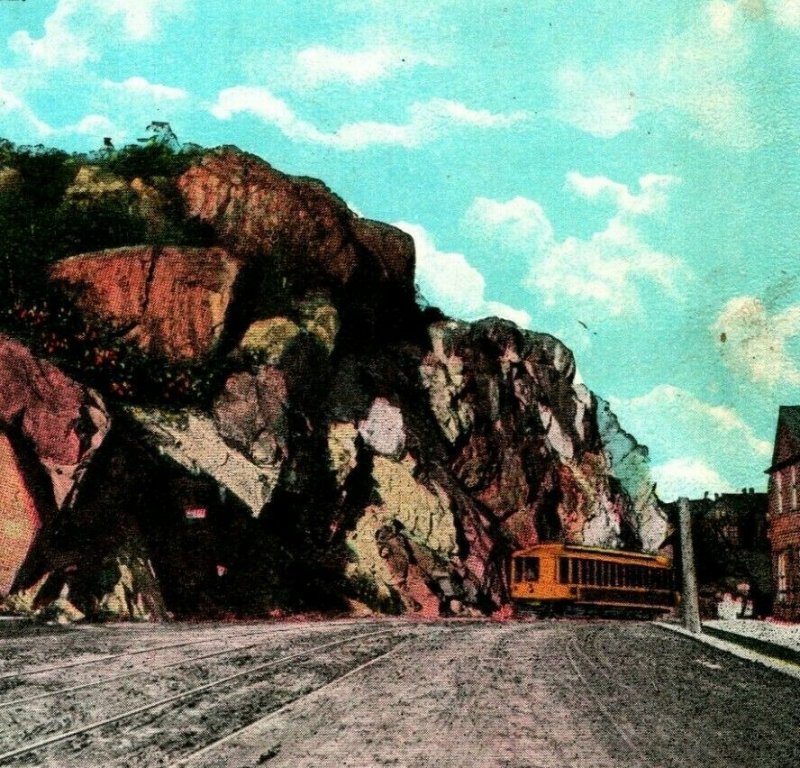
point(787, 438)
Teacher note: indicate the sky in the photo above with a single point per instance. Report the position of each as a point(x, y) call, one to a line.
point(624, 176)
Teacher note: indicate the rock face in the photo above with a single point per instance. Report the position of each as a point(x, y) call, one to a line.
point(524, 438)
point(510, 455)
point(296, 222)
point(298, 239)
point(63, 422)
point(193, 442)
point(50, 430)
point(19, 519)
point(629, 465)
point(354, 448)
point(170, 301)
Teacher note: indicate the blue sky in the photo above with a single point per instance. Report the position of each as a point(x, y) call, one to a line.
point(622, 175)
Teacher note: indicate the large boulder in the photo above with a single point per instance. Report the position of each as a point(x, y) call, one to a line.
point(192, 441)
point(172, 301)
point(250, 414)
point(298, 237)
point(257, 210)
point(19, 517)
point(63, 422)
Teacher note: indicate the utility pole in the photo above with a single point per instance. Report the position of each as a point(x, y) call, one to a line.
point(690, 605)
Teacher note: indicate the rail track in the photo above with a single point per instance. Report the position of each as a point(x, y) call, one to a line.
point(35, 670)
point(611, 695)
point(125, 675)
point(232, 689)
point(221, 743)
point(104, 658)
point(149, 670)
point(571, 650)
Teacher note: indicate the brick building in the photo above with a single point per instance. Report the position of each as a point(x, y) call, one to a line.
point(784, 514)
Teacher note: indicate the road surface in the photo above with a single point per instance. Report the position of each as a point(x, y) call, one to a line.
point(390, 693)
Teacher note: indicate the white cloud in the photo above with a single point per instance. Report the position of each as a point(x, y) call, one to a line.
point(652, 197)
point(26, 120)
point(450, 282)
point(667, 404)
point(320, 65)
point(92, 125)
point(599, 101)
point(696, 74)
point(75, 27)
point(60, 45)
point(140, 87)
point(14, 106)
point(786, 14)
point(753, 342)
point(427, 120)
point(141, 19)
point(687, 477)
point(722, 16)
point(606, 270)
point(520, 222)
point(679, 427)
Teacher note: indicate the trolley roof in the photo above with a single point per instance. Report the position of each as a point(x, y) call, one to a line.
point(554, 547)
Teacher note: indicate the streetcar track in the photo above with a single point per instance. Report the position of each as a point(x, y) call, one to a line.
point(644, 702)
point(641, 758)
point(149, 649)
point(134, 673)
point(129, 714)
point(280, 710)
point(110, 657)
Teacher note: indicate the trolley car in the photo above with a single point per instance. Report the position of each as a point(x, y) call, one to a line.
point(550, 577)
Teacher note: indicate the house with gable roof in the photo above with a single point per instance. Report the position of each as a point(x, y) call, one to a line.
point(784, 514)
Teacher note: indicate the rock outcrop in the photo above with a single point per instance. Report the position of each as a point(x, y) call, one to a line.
point(628, 462)
point(63, 422)
point(300, 240)
point(193, 442)
point(525, 441)
point(354, 449)
point(295, 223)
point(19, 517)
point(50, 430)
point(171, 301)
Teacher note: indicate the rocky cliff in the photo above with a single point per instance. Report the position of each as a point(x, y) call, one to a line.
point(350, 449)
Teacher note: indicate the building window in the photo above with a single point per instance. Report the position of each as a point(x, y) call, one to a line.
point(782, 568)
point(793, 487)
point(779, 490)
point(731, 533)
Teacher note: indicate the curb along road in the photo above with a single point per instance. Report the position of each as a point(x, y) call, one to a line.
point(772, 655)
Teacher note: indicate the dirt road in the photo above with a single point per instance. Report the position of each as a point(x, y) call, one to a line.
point(521, 695)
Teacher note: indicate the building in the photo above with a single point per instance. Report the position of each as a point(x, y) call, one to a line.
point(784, 514)
point(731, 548)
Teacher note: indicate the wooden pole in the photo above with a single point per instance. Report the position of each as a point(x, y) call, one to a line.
point(690, 605)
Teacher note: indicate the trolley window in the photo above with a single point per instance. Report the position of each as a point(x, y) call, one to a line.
point(563, 570)
point(526, 569)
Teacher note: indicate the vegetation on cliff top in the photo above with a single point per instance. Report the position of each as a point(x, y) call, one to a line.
point(54, 204)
